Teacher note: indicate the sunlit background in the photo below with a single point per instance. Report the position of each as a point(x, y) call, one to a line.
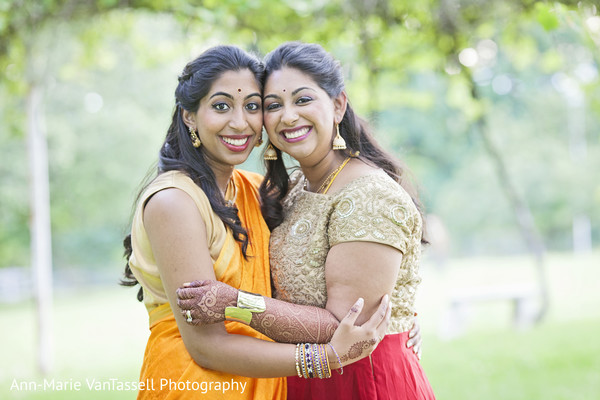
point(493, 105)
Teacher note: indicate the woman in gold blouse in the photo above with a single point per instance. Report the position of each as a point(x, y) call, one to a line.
point(347, 224)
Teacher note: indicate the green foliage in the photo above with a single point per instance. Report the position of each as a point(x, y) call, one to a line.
point(108, 70)
point(546, 16)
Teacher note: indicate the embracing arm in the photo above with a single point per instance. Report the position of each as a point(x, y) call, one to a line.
point(362, 269)
point(281, 321)
point(177, 236)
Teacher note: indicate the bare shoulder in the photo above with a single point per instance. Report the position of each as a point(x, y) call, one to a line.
point(171, 203)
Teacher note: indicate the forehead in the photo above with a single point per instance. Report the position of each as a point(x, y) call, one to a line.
point(234, 82)
point(288, 79)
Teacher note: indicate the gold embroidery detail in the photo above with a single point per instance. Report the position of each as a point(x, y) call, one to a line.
point(345, 208)
point(372, 208)
point(301, 228)
point(399, 215)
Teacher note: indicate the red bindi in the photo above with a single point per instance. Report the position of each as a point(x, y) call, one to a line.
point(239, 90)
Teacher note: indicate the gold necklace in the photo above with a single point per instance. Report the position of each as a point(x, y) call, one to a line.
point(329, 180)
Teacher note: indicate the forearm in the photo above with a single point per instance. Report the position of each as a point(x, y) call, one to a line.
point(241, 355)
point(293, 323)
point(284, 322)
point(213, 348)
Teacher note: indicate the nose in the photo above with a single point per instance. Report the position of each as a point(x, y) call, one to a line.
point(238, 121)
point(290, 116)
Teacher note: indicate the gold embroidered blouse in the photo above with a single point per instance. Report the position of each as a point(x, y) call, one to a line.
point(372, 208)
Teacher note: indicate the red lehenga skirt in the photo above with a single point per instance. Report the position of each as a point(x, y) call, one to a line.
point(392, 372)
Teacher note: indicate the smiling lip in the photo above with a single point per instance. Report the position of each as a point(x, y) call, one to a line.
point(296, 135)
point(236, 143)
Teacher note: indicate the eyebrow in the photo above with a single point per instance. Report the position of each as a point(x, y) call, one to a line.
point(231, 97)
point(293, 93)
point(301, 88)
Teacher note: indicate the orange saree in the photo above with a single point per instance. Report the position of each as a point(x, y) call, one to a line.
point(168, 371)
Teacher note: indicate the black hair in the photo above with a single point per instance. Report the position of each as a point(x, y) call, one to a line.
point(326, 71)
point(177, 152)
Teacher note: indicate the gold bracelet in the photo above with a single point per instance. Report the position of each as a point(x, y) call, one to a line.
point(238, 315)
point(251, 301)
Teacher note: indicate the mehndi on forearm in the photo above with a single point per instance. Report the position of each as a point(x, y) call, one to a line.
point(293, 323)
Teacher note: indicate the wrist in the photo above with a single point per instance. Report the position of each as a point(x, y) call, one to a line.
point(233, 299)
point(252, 302)
point(312, 361)
point(333, 362)
point(334, 359)
point(245, 305)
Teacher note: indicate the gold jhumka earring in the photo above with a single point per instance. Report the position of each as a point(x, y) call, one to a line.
point(270, 153)
point(338, 143)
point(260, 141)
point(195, 140)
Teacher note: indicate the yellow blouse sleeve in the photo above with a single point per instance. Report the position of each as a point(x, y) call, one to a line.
point(375, 209)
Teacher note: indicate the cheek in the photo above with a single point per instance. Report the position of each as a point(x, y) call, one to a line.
point(270, 123)
point(256, 121)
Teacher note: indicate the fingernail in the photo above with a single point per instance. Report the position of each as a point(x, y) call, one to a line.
point(409, 343)
point(187, 284)
point(415, 350)
point(386, 298)
point(358, 304)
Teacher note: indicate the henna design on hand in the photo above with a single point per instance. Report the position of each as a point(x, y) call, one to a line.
point(357, 349)
point(212, 303)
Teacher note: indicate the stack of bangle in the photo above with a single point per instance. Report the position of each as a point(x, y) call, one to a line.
point(312, 361)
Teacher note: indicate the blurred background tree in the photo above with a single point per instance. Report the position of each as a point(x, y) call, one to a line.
point(440, 80)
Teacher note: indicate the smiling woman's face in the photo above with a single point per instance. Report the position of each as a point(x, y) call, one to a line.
point(229, 118)
point(299, 116)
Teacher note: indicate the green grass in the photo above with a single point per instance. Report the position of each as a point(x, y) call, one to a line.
point(100, 333)
point(550, 361)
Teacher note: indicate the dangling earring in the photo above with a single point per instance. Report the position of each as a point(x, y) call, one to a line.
point(260, 140)
point(195, 140)
point(338, 143)
point(270, 153)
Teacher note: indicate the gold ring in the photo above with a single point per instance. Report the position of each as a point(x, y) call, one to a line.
point(188, 313)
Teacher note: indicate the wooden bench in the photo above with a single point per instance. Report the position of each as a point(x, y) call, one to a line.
point(522, 296)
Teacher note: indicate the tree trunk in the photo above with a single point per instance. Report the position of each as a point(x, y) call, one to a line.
point(41, 242)
point(522, 212)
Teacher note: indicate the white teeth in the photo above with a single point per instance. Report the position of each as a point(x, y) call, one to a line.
point(295, 134)
point(235, 142)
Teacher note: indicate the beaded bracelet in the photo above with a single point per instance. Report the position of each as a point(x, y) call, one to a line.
point(341, 370)
point(298, 361)
point(312, 361)
point(317, 358)
point(325, 361)
point(309, 361)
point(302, 361)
